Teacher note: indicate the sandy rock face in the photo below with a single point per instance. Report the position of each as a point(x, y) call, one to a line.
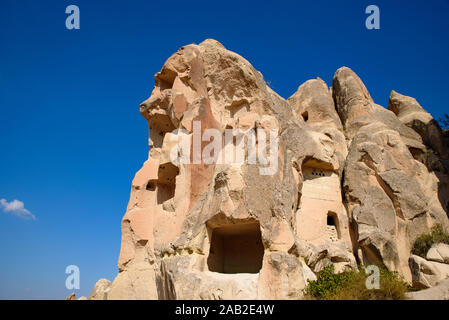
point(439, 253)
point(391, 196)
point(327, 177)
point(431, 270)
point(71, 297)
point(439, 292)
point(100, 290)
point(436, 154)
point(426, 273)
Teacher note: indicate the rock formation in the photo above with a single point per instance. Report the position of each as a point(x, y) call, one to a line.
point(100, 290)
point(427, 272)
point(438, 292)
point(353, 183)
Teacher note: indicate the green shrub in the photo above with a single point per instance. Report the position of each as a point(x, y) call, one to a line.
point(328, 283)
point(425, 241)
point(351, 285)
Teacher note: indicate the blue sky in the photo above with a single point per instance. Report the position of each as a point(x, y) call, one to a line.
point(72, 138)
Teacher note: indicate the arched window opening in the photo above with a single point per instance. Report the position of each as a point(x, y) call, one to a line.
point(333, 227)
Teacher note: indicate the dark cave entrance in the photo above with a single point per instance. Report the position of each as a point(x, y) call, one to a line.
point(333, 226)
point(236, 248)
point(330, 221)
point(305, 116)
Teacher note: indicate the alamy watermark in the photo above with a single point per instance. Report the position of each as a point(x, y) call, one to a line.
point(373, 280)
point(72, 282)
point(191, 149)
point(73, 20)
point(373, 20)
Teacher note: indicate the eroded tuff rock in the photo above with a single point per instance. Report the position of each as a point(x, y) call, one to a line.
point(349, 186)
point(101, 289)
point(434, 268)
point(427, 274)
point(439, 253)
point(439, 292)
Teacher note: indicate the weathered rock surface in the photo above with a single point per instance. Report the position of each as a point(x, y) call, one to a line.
point(71, 297)
point(345, 185)
point(439, 253)
point(436, 154)
point(426, 273)
point(438, 292)
point(101, 289)
point(391, 197)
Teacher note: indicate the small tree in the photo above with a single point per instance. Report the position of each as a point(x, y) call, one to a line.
point(444, 121)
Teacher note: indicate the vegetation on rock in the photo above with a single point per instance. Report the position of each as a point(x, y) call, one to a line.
point(425, 241)
point(351, 285)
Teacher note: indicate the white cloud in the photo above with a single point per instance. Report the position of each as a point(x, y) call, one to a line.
point(17, 209)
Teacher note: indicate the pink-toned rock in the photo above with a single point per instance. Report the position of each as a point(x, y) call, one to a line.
point(346, 187)
point(101, 289)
